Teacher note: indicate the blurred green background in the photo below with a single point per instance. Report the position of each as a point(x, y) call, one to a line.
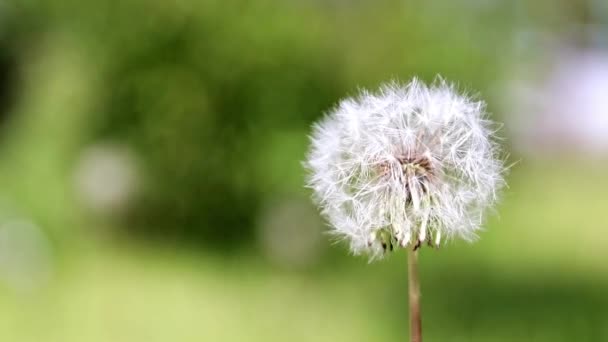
point(151, 186)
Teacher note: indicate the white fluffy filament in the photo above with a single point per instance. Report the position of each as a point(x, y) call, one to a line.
point(408, 164)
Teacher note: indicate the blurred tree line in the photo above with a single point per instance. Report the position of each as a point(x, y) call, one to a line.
point(215, 98)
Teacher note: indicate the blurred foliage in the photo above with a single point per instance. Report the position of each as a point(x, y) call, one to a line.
point(199, 104)
point(216, 97)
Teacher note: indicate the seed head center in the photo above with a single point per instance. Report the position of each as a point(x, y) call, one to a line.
point(419, 166)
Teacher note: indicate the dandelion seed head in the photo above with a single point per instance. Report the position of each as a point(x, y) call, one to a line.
point(408, 164)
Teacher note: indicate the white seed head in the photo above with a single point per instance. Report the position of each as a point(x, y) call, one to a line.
point(406, 165)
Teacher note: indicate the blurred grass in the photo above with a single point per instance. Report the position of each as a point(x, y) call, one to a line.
point(533, 276)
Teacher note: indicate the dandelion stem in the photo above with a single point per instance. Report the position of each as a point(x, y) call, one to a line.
point(414, 297)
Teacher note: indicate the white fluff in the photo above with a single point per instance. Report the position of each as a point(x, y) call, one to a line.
point(405, 165)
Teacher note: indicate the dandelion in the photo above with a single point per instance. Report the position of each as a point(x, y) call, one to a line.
point(406, 166)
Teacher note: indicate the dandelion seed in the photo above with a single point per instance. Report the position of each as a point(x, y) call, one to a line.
point(408, 164)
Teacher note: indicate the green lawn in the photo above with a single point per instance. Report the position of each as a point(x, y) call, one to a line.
point(537, 274)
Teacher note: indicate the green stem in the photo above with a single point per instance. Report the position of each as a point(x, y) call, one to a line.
point(414, 297)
